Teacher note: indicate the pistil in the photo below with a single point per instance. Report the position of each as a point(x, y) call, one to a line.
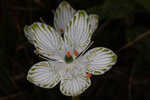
point(68, 58)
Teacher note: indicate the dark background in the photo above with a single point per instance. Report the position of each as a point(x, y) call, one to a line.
point(124, 27)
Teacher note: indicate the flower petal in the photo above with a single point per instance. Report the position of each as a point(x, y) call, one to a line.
point(93, 20)
point(44, 74)
point(78, 31)
point(100, 60)
point(46, 40)
point(74, 86)
point(63, 15)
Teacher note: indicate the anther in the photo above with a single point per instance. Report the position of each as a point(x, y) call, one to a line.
point(75, 52)
point(61, 30)
point(88, 75)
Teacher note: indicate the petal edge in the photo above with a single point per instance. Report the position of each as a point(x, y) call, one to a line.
point(74, 87)
point(100, 60)
point(43, 75)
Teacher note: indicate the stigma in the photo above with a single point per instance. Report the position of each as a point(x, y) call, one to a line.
point(68, 54)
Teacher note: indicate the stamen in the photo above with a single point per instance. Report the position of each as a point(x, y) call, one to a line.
point(46, 58)
point(75, 52)
point(88, 75)
point(61, 30)
point(68, 54)
point(86, 48)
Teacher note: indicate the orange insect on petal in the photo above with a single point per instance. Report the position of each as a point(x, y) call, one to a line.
point(61, 30)
point(68, 54)
point(75, 52)
point(88, 75)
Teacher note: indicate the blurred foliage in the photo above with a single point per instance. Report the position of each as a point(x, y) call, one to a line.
point(121, 21)
point(145, 3)
point(5, 84)
point(114, 9)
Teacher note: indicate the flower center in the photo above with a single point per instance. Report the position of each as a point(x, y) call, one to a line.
point(68, 58)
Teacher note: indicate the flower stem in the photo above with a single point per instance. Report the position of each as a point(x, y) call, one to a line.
point(75, 98)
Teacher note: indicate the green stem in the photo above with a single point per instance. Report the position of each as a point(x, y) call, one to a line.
point(75, 98)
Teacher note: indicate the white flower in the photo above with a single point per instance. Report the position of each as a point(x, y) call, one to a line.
point(65, 59)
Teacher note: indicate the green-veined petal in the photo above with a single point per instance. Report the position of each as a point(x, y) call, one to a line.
point(74, 86)
point(100, 60)
point(43, 74)
point(78, 31)
point(46, 40)
point(93, 20)
point(63, 15)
